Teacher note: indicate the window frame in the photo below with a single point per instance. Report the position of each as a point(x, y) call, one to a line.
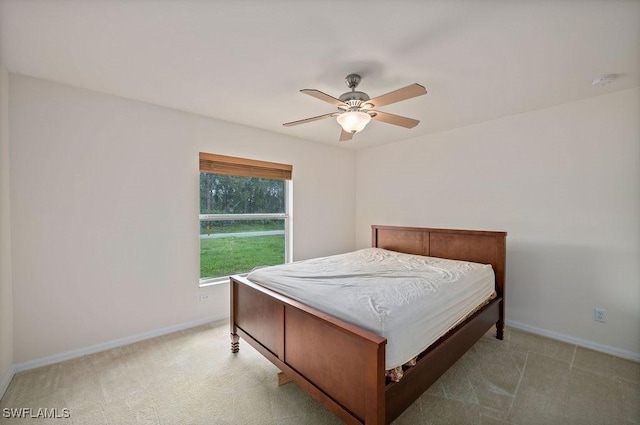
point(242, 167)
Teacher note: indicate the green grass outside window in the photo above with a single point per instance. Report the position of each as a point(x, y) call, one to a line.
point(232, 255)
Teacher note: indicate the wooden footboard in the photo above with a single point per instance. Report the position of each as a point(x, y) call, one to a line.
point(339, 364)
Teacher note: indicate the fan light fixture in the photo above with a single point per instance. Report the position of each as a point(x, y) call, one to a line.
point(353, 121)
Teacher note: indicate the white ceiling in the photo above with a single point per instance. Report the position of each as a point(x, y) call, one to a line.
point(244, 61)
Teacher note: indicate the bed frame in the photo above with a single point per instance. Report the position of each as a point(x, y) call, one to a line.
point(342, 365)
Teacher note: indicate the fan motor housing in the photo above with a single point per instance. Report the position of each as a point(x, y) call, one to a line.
point(354, 98)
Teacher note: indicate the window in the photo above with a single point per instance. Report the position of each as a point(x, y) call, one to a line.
point(244, 215)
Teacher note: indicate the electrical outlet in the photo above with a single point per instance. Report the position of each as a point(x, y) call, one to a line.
point(599, 315)
point(204, 297)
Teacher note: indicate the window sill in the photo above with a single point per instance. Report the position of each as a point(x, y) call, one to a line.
point(205, 283)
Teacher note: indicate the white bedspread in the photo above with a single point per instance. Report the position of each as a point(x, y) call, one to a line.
point(411, 300)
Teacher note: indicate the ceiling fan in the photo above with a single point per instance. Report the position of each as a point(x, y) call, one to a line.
point(356, 109)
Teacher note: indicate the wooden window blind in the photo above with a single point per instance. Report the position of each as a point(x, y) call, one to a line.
point(220, 164)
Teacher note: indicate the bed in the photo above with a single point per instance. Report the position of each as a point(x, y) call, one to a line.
point(343, 365)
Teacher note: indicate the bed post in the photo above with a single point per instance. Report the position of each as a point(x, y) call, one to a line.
point(500, 283)
point(500, 323)
point(235, 342)
point(235, 338)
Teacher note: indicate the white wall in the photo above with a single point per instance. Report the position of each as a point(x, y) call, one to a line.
point(104, 204)
point(6, 297)
point(564, 182)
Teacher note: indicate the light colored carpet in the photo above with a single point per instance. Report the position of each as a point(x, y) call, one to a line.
point(190, 377)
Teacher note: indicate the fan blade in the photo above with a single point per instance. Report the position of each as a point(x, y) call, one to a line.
point(404, 93)
point(323, 96)
point(345, 135)
point(306, 120)
point(394, 119)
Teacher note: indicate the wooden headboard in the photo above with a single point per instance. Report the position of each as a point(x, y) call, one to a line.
point(477, 246)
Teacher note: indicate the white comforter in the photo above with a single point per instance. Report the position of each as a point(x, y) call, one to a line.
point(411, 300)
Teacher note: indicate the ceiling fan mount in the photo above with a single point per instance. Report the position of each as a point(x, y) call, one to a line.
point(356, 108)
point(352, 80)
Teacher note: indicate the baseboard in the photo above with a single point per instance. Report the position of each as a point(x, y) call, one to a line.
point(6, 380)
point(56, 358)
point(607, 349)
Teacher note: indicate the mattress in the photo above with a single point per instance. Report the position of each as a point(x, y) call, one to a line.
point(411, 300)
